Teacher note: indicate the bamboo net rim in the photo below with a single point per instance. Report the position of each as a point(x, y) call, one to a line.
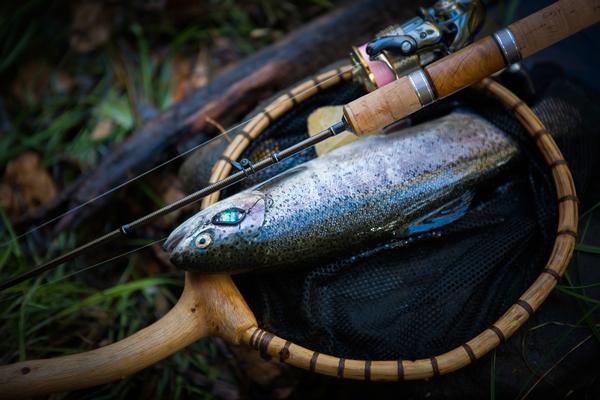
point(270, 345)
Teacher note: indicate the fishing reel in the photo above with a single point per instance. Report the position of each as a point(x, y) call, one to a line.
point(437, 31)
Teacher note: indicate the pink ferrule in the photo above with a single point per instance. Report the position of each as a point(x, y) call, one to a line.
point(381, 72)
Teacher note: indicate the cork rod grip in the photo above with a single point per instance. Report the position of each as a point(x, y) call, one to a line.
point(381, 107)
point(471, 64)
point(553, 23)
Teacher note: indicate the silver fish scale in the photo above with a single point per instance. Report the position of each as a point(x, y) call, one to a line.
point(359, 195)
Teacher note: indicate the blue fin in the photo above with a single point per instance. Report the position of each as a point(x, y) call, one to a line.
point(444, 215)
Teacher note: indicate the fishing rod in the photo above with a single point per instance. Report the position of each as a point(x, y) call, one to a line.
point(126, 229)
point(436, 31)
point(410, 89)
point(222, 135)
point(245, 169)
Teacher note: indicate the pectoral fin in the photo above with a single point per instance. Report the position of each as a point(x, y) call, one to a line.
point(443, 215)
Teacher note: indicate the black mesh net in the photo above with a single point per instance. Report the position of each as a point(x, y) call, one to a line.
point(429, 294)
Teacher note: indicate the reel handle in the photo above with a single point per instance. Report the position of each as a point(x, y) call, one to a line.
point(471, 64)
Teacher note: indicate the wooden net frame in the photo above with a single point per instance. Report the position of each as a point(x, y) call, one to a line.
point(271, 345)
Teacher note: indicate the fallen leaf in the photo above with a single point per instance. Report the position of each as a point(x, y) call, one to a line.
point(181, 68)
point(100, 316)
point(259, 33)
point(224, 51)
point(25, 185)
point(220, 388)
point(147, 265)
point(162, 305)
point(91, 26)
point(201, 70)
point(169, 195)
point(31, 81)
point(280, 380)
point(188, 79)
point(261, 371)
point(102, 129)
point(163, 257)
point(62, 82)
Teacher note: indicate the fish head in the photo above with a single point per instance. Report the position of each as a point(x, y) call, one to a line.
point(218, 238)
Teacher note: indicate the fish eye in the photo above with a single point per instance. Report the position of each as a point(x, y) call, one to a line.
point(229, 216)
point(203, 240)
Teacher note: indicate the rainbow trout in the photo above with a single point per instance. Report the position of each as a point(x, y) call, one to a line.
point(378, 189)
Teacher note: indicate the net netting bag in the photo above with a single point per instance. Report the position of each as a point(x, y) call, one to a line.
point(416, 298)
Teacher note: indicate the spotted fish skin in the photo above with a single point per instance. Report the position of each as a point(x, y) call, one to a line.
point(367, 192)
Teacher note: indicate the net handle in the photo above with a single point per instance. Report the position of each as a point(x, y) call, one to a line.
point(210, 305)
point(270, 345)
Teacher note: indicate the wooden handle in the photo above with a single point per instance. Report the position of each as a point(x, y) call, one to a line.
point(381, 107)
point(468, 65)
point(553, 23)
point(209, 305)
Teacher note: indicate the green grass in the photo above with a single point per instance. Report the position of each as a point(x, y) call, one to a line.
point(493, 375)
point(587, 248)
point(588, 305)
point(59, 313)
point(124, 81)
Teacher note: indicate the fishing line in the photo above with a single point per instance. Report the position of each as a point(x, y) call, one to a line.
point(560, 360)
point(127, 228)
point(89, 267)
point(141, 175)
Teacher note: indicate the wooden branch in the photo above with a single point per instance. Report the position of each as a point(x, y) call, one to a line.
point(209, 305)
point(231, 95)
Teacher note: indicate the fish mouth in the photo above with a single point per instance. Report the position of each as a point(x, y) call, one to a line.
point(180, 233)
point(173, 240)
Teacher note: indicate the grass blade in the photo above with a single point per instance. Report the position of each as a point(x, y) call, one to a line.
point(587, 248)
